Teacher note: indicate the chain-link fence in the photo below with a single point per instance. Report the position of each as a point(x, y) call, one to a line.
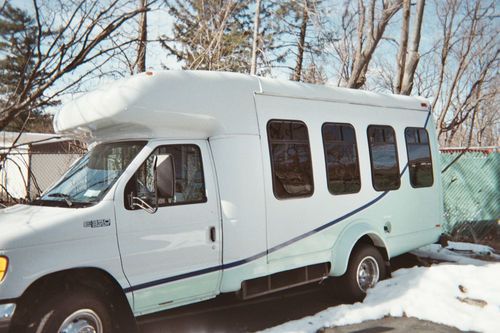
point(25, 175)
point(32, 162)
point(471, 185)
point(46, 169)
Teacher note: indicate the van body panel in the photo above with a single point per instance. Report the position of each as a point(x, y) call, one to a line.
point(241, 188)
point(348, 237)
point(167, 104)
point(236, 272)
point(309, 221)
point(160, 252)
point(45, 240)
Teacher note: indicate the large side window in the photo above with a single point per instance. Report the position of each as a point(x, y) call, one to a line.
point(341, 156)
point(189, 180)
point(290, 159)
point(419, 157)
point(384, 158)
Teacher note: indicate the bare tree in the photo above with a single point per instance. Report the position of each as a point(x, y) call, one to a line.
point(340, 39)
point(486, 128)
point(297, 73)
point(413, 54)
point(403, 47)
point(143, 37)
point(369, 33)
point(253, 65)
point(314, 74)
point(74, 42)
point(468, 63)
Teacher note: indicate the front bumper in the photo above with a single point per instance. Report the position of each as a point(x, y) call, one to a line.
point(6, 313)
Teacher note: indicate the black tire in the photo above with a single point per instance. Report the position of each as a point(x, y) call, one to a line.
point(51, 314)
point(348, 286)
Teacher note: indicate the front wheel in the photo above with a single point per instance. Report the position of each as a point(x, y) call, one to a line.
point(72, 312)
point(366, 268)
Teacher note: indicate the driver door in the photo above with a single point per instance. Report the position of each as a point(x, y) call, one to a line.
point(172, 256)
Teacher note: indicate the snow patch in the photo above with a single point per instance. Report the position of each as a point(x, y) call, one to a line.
point(464, 294)
point(435, 251)
point(476, 248)
point(457, 252)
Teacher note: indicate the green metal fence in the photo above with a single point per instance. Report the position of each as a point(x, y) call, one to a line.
point(471, 185)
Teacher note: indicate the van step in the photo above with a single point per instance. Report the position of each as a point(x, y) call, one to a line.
point(283, 280)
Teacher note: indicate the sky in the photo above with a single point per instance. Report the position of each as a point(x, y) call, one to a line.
point(160, 22)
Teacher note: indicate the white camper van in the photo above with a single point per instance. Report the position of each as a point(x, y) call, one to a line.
point(201, 183)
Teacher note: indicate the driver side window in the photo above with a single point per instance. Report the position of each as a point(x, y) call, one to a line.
point(189, 179)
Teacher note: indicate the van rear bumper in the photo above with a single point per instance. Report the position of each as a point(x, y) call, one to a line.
point(6, 313)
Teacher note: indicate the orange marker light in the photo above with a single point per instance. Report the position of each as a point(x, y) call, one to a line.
point(424, 105)
point(4, 263)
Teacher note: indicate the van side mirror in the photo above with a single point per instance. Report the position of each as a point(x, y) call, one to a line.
point(164, 176)
point(163, 171)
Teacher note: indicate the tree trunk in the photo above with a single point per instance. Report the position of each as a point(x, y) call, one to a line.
point(253, 65)
point(297, 73)
point(403, 47)
point(413, 56)
point(143, 37)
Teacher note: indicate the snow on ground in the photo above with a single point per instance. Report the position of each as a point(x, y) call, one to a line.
point(457, 252)
point(477, 248)
point(464, 294)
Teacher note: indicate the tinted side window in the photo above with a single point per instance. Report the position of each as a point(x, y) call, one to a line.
point(290, 159)
point(419, 157)
point(384, 158)
point(341, 156)
point(189, 180)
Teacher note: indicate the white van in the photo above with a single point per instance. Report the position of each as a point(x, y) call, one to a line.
point(201, 183)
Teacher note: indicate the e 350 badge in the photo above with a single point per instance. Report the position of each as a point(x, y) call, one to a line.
point(97, 223)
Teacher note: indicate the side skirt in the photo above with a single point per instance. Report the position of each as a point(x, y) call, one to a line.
point(283, 280)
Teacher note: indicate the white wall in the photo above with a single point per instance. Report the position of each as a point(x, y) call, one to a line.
point(14, 174)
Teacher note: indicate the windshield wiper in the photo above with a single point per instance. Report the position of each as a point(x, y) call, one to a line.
point(64, 196)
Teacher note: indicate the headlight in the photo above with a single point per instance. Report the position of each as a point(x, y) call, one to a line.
point(4, 263)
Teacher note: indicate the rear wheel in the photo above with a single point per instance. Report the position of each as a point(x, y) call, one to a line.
point(72, 312)
point(366, 268)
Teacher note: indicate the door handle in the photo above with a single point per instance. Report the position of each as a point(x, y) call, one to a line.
point(212, 234)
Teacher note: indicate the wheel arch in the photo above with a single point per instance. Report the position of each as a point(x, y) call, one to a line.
point(355, 234)
point(96, 279)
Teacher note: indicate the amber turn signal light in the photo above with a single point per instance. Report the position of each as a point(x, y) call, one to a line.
point(4, 263)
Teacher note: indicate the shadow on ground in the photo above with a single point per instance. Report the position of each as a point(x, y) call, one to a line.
point(393, 325)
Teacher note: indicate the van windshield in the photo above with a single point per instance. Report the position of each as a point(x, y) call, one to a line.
point(92, 176)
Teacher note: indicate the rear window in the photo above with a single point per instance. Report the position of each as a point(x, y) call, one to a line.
point(419, 157)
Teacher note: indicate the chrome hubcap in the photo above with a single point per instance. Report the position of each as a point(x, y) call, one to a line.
point(82, 321)
point(368, 273)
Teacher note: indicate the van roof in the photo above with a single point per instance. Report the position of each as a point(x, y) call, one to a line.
point(196, 104)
